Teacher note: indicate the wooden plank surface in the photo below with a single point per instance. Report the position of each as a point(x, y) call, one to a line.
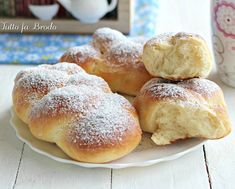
point(186, 172)
point(10, 146)
point(221, 153)
point(41, 172)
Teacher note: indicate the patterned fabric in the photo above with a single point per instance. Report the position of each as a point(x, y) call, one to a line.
point(144, 21)
point(47, 48)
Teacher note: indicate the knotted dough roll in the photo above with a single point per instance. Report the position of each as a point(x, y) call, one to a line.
point(115, 58)
point(33, 83)
point(191, 108)
point(63, 104)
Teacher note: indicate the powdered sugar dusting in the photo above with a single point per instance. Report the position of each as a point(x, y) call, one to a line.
point(171, 92)
point(139, 39)
point(161, 38)
point(38, 81)
point(107, 35)
point(35, 83)
point(69, 68)
point(41, 80)
point(171, 37)
point(89, 80)
point(164, 90)
point(110, 47)
point(106, 124)
point(125, 53)
point(189, 92)
point(69, 99)
point(82, 53)
point(201, 86)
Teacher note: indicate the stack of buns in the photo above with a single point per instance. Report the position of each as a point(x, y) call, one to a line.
point(176, 101)
point(79, 112)
point(179, 103)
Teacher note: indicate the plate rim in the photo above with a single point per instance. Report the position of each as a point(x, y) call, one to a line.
point(104, 165)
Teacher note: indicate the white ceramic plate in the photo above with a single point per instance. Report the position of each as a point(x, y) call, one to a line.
point(145, 154)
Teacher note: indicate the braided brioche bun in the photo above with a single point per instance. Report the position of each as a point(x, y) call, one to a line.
point(63, 104)
point(115, 58)
point(177, 57)
point(89, 125)
point(191, 108)
point(33, 83)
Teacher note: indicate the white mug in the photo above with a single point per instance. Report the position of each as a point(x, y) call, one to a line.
point(88, 11)
point(223, 37)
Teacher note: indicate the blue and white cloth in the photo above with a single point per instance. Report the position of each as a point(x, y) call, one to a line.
point(48, 48)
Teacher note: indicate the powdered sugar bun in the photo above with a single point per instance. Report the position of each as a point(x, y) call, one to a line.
point(187, 109)
point(64, 105)
point(84, 121)
point(115, 58)
point(33, 83)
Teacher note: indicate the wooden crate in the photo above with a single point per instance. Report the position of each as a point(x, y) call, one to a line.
point(123, 23)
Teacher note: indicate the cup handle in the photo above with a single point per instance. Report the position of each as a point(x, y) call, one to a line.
point(112, 5)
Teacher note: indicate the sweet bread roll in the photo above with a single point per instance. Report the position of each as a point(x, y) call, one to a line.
point(177, 57)
point(32, 84)
point(191, 108)
point(64, 105)
point(113, 57)
point(87, 124)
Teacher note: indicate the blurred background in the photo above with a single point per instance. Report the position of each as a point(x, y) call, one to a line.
point(132, 17)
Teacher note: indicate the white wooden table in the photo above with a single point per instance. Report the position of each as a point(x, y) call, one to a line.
point(211, 166)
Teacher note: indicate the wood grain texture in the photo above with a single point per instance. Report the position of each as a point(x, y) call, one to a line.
point(186, 172)
point(41, 172)
point(221, 153)
point(10, 146)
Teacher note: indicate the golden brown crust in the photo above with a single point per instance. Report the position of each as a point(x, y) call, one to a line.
point(114, 58)
point(190, 108)
point(78, 112)
point(31, 85)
